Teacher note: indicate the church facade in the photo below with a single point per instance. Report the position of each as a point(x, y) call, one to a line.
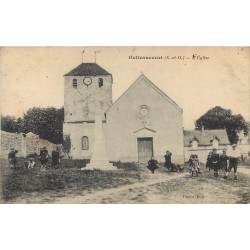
point(143, 122)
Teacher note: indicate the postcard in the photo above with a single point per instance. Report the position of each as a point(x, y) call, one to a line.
point(125, 125)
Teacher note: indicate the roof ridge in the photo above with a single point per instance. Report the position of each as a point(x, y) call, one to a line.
point(87, 69)
point(163, 93)
point(152, 85)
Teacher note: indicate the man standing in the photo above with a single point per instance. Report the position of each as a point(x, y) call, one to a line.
point(234, 155)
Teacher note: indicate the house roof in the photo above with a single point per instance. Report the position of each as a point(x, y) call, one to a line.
point(205, 137)
point(142, 76)
point(31, 134)
point(87, 69)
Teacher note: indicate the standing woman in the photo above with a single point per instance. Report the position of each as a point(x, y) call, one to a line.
point(168, 163)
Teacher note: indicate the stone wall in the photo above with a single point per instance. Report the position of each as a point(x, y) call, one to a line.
point(26, 145)
point(11, 140)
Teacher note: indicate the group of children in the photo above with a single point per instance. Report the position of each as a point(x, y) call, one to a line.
point(194, 165)
point(226, 161)
point(44, 158)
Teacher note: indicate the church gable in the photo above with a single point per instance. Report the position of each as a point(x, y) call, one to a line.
point(144, 86)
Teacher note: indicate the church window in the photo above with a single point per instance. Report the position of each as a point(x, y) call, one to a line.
point(74, 83)
point(85, 143)
point(100, 81)
point(143, 112)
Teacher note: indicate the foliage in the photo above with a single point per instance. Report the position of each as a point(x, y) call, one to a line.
point(45, 122)
point(219, 118)
point(10, 124)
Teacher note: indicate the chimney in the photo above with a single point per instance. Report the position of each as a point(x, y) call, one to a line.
point(202, 128)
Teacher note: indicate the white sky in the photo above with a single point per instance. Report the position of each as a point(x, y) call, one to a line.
point(33, 76)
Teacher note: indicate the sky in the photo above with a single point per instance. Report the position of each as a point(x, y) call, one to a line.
point(33, 76)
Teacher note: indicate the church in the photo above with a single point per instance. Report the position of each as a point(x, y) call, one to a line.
point(143, 122)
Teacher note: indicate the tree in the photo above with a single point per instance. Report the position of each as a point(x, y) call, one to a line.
point(219, 118)
point(45, 122)
point(11, 124)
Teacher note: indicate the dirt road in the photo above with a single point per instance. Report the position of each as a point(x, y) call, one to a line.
point(176, 188)
point(116, 194)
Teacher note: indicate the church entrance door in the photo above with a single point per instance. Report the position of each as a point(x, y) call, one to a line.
point(145, 149)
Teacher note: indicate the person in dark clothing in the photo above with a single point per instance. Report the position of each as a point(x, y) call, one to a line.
point(44, 156)
point(168, 162)
point(56, 157)
point(169, 165)
point(224, 160)
point(152, 165)
point(12, 157)
point(215, 162)
point(208, 163)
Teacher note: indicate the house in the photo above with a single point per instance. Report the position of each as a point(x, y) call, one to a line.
point(143, 122)
point(244, 143)
point(201, 142)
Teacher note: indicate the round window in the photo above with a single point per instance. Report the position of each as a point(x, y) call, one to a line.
point(143, 111)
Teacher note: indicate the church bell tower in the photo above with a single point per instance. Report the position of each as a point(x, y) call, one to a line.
point(84, 87)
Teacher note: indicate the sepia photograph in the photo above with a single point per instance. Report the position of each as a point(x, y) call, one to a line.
point(125, 125)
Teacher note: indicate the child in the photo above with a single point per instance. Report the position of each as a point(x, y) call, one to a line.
point(194, 165)
point(152, 165)
point(215, 162)
point(208, 163)
point(44, 156)
point(224, 159)
point(56, 157)
point(31, 163)
point(12, 157)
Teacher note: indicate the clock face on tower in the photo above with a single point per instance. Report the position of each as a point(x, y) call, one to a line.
point(87, 81)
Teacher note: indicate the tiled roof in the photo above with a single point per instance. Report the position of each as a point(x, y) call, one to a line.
point(87, 69)
point(205, 138)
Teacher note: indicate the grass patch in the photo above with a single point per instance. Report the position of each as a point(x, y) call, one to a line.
point(66, 179)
